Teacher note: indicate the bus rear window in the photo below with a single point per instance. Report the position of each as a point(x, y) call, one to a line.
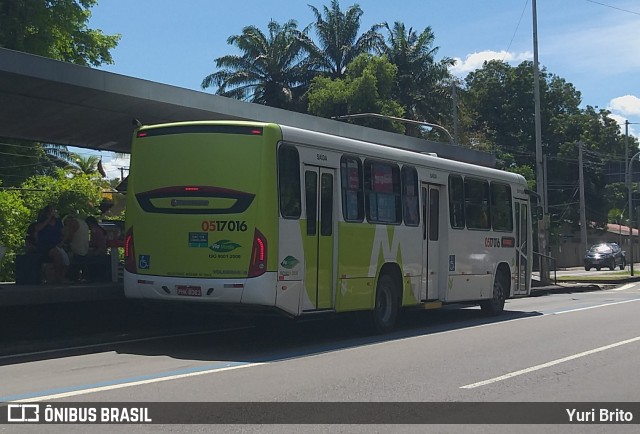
point(201, 129)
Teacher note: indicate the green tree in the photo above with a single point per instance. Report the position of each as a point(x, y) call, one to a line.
point(14, 219)
point(339, 43)
point(87, 165)
point(366, 88)
point(271, 70)
point(500, 101)
point(56, 29)
point(23, 159)
point(422, 83)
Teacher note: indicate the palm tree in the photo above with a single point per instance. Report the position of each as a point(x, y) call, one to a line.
point(421, 83)
point(87, 165)
point(271, 70)
point(337, 33)
point(57, 156)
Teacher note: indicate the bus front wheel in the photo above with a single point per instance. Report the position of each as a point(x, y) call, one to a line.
point(385, 311)
point(495, 305)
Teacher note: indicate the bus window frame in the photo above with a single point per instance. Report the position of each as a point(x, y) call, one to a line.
point(458, 201)
point(396, 186)
point(473, 201)
point(509, 195)
point(296, 216)
point(344, 187)
point(413, 174)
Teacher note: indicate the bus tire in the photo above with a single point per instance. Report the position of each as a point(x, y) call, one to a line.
point(495, 305)
point(385, 311)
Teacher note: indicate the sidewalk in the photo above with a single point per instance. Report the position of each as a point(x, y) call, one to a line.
point(21, 295)
point(582, 282)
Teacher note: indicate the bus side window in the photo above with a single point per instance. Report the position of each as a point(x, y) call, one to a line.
point(382, 192)
point(351, 186)
point(456, 201)
point(434, 214)
point(289, 182)
point(411, 206)
point(501, 207)
point(476, 203)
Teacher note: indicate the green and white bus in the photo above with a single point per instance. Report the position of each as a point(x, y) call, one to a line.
point(259, 215)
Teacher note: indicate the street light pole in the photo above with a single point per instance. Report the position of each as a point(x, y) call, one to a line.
point(628, 178)
point(628, 184)
point(631, 214)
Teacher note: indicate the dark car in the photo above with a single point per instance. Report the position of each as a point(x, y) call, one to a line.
point(604, 255)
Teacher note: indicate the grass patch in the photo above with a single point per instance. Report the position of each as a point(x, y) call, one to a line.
point(619, 275)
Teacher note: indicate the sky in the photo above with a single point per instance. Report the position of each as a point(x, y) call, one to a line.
point(595, 45)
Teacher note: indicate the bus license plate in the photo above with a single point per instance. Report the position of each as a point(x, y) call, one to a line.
point(189, 291)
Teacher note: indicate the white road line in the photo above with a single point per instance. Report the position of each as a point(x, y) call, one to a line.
point(623, 287)
point(134, 383)
point(551, 363)
point(593, 307)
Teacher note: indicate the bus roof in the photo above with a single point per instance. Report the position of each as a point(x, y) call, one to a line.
point(346, 145)
point(375, 150)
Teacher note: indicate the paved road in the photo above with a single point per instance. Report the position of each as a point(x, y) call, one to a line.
point(582, 346)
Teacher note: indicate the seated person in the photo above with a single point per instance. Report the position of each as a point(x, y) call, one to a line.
point(31, 240)
point(76, 241)
point(98, 238)
point(48, 232)
point(76, 235)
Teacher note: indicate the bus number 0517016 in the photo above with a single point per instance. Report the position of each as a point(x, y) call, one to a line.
point(224, 225)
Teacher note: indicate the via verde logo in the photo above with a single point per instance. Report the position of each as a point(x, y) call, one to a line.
point(289, 262)
point(224, 246)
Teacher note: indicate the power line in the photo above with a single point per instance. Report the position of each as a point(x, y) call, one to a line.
point(614, 7)
point(516, 30)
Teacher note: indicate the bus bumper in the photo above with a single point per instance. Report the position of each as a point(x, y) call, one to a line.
point(254, 291)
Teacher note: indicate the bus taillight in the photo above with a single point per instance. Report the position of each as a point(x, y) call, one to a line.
point(129, 252)
point(258, 264)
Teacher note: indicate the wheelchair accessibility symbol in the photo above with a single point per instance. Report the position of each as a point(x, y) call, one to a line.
point(144, 262)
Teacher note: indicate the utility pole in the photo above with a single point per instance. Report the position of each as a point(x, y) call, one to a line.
point(583, 214)
point(545, 200)
point(627, 181)
point(631, 212)
point(540, 182)
point(454, 96)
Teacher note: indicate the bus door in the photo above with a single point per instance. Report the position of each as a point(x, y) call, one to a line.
point(523, 280)
point(318, 235)
point(430, 241)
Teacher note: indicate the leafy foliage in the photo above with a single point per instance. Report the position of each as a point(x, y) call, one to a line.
point(500, 109)
point(422, 83)
point(339, 43)
point(56, 29)
point(86, 164)
point(271, 69)
point(365, 89)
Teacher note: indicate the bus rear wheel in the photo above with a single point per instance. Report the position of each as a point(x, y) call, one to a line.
point(385, 312)
point(495, 305)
